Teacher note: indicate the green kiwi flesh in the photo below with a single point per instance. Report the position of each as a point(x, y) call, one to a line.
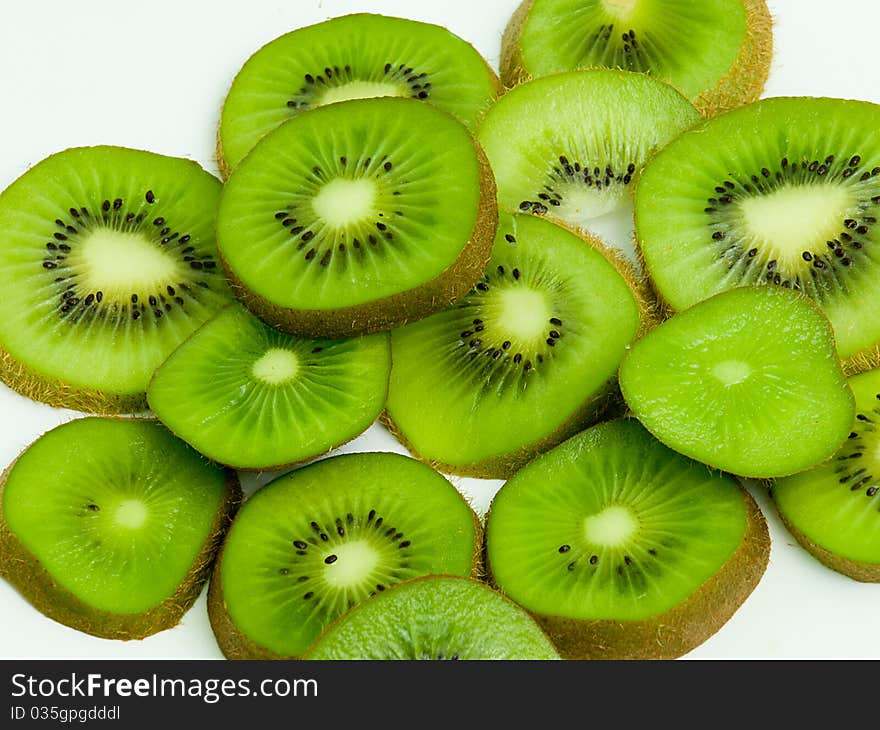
point(622, 548)
point(107, 262)
point(351, 57)
point(435, 618)
point(358, 217)
point(834, 509)
point(251, 397)
point(747, 381)
point(717, 52)
point(784, 192)
point(526, 359)
point(314, 543)
point(577, 160)
point(110, 526)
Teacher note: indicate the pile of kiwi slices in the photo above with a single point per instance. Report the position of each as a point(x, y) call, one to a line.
point(401, 243)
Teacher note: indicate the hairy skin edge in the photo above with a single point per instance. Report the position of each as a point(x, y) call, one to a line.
point(682, 628)
point(398, 309)
point(238, 646)
point(27, 575)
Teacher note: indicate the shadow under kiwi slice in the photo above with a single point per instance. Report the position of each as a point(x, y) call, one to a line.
point(314, 543)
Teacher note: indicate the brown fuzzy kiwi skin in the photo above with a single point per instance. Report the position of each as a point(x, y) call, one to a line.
point(236, 645)
point(742, 84)
point(680, 629)
point(28, 576)
point(855, 569)
point(38, 387)
point(398, 309)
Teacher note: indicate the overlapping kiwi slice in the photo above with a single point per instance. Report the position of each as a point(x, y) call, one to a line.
point(834, 509)
point(570, 146)
point(311, 545)
point(358, 217)
point(717, 52)
point(435, 618)
point(747, 381)
point(352, 57)
point(110, 526)
point(784, 192)
point(251, 397)
point(622, 548)
point(525, 360)
point(107, 262)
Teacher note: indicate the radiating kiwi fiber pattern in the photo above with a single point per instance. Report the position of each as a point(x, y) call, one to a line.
point(107, 262)
point(352, 57)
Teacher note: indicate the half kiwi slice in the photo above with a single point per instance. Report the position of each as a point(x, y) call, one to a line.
point(624, 549)
point(352, 57)
point(570, 146)
point(107, 263)
point(110, 526)
point(525, 360)
point(314, 543)
point(747, 381)
point(435, 618)
point(358, 217)
point(250, 397)
point(717, 52)
point(784, 192)
point(834, 509)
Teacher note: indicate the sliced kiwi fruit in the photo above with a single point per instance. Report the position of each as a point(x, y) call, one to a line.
point(784, 192)
point(570, 146)
point(110, 526)
point(747, 381)
point(314, 543)
point(352, 57)
point(717, 52)
point(525, 360)
point(834, 509)
point(107, 263)
point(622, 548)
point(358, 217)
point(435, 618)
point(251, 397)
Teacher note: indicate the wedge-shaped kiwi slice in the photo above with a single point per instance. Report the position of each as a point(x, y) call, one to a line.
point(250, 397)
point(110, 526)
point(834, 509)
point(717, 52)
point(352, 57)
point(525, 360)
point(107, 262)
point(624, 549)
point(747, 381)
point(314, 543)
point(435, 618)
point(784, 192)
point(570, 146)
point(357, 217)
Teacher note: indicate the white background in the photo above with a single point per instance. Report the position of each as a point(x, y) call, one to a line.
point(153, 75)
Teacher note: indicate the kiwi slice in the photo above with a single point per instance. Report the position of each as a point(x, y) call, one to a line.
point(834, 509)
point(576, 161)
point(110, 526)
point(747, 381)
point(352, 57)
point(717, 52)
point(435, 618)
point(312, 544)
point(784, 192)
point(357, 217)
point(250, 397)
point(525, 360)
point(622, 548)
point(107, 263)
